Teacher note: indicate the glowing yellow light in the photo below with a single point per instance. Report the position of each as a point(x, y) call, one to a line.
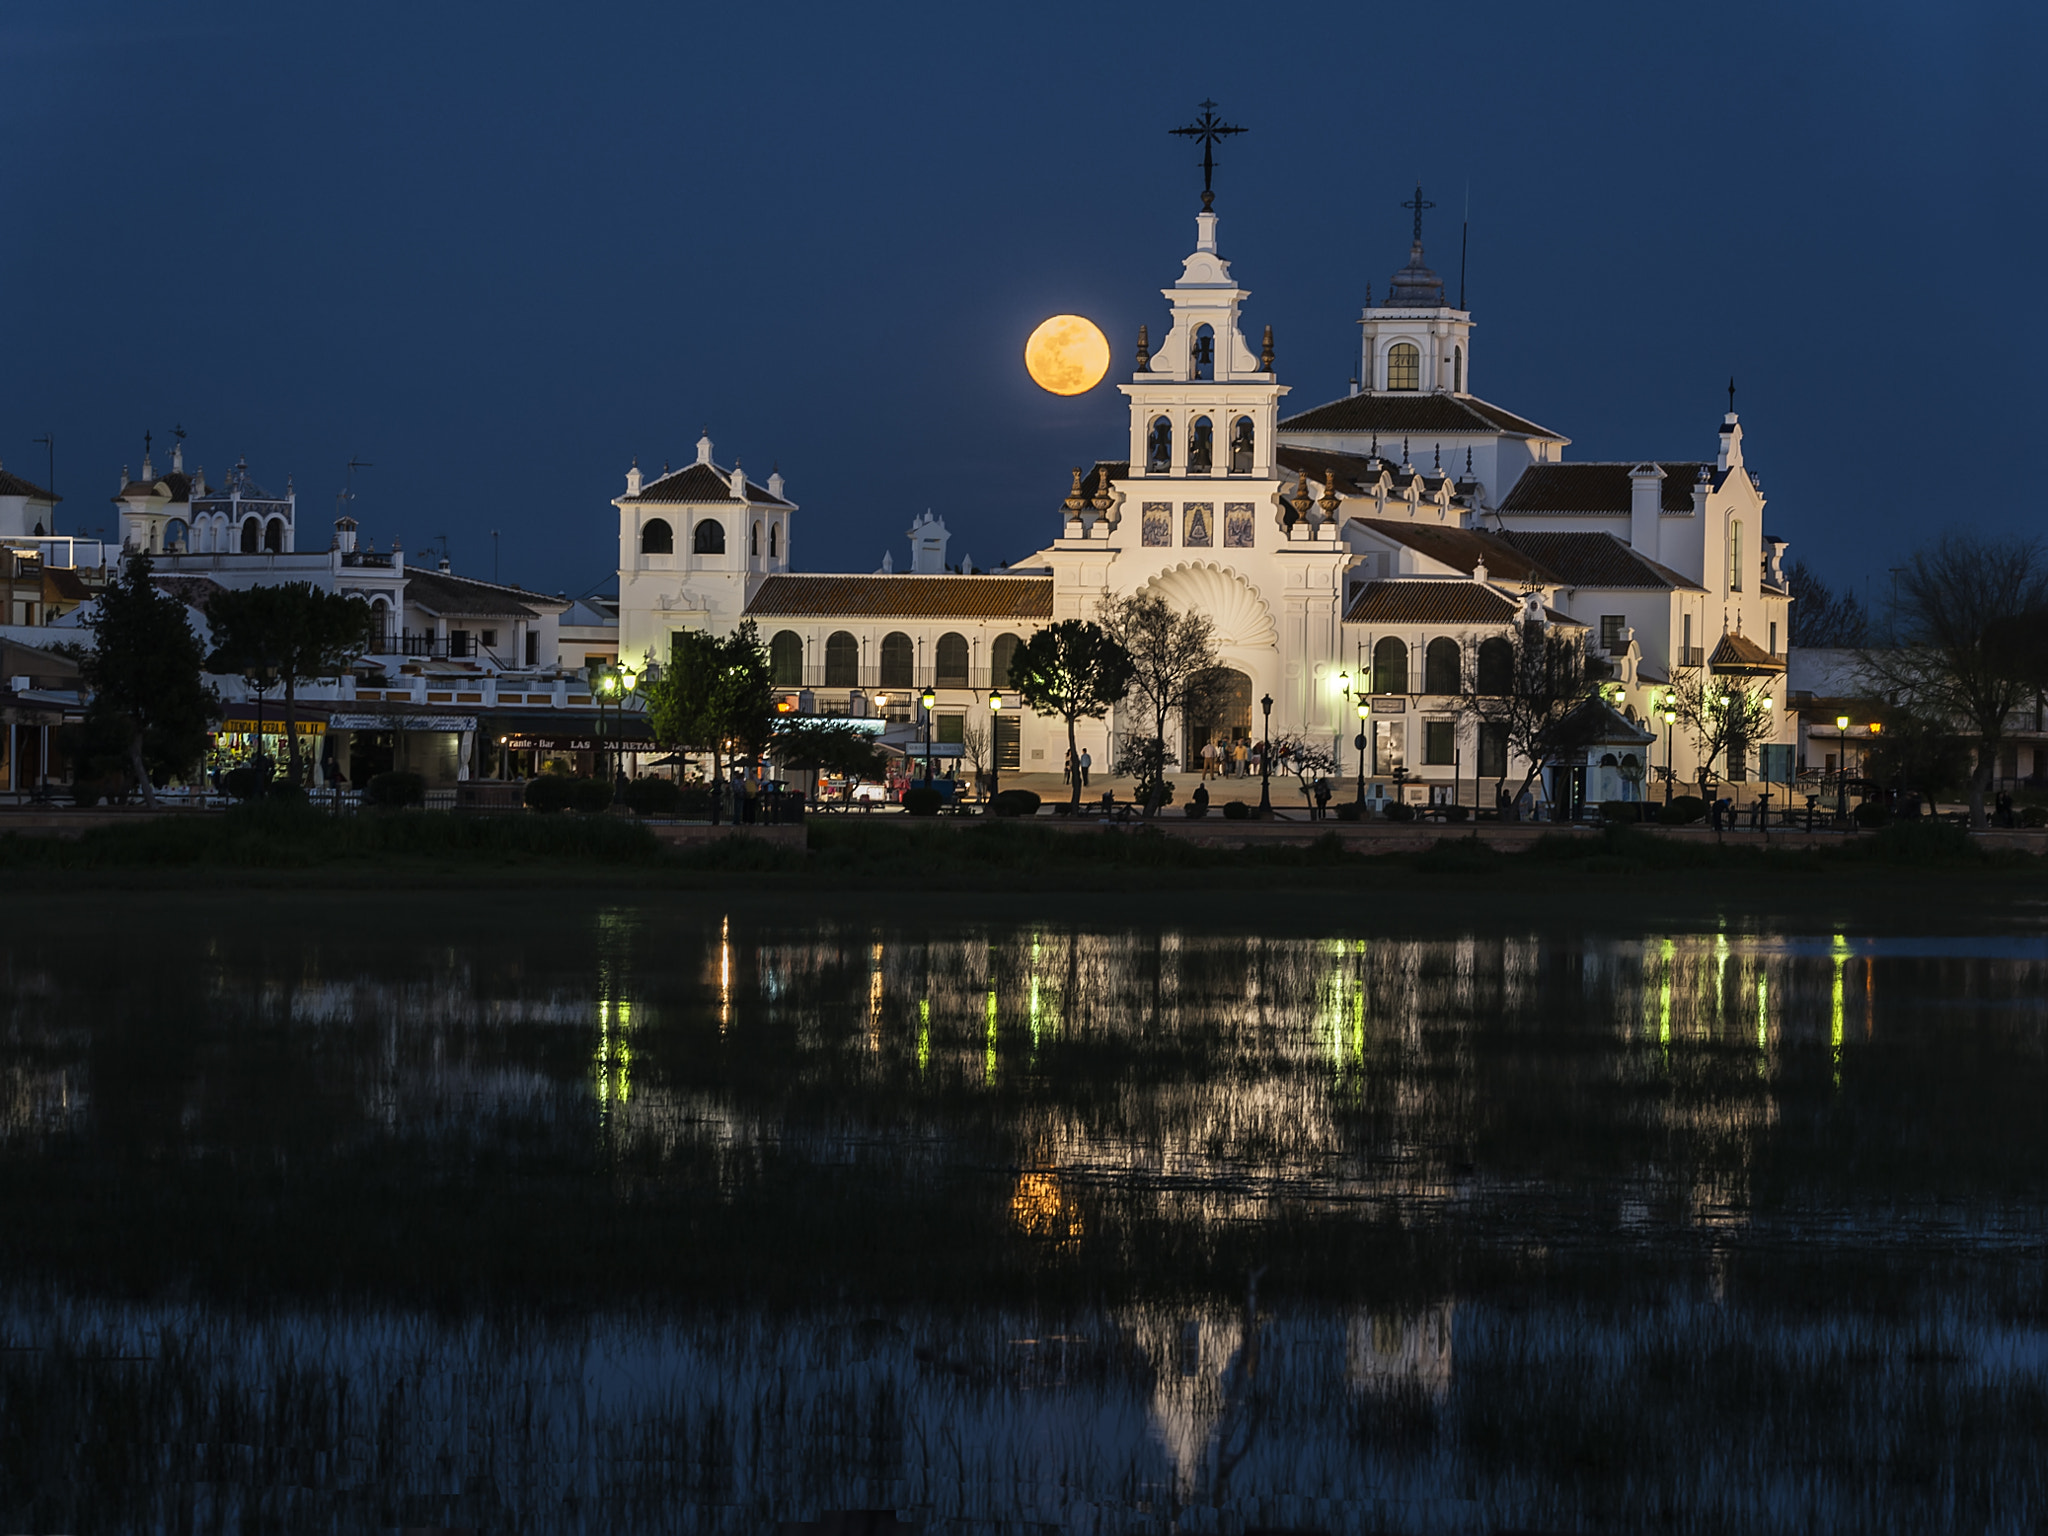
point(1841, 722)
point(995, 700)
point(1067, 355)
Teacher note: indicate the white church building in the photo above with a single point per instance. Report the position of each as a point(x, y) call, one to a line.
point(1369, 546)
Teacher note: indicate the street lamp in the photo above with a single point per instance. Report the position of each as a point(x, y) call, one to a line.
point(1266, 760)
point(1670, 766)
point(995, 749)
point(1842, 768)
point(927, 699)
point(1364, 712)
point(1337, 736)
point(628, 679)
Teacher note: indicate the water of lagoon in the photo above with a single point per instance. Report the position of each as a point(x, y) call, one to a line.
point(359, 1214)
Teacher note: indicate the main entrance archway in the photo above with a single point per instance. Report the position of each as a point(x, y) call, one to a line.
point(1225, 716)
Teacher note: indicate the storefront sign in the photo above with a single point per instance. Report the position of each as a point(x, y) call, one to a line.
point(403, 722)
point(567, 744)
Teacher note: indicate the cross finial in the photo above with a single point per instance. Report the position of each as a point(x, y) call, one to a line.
point(1418, 204)
point(1731, 394)
point(1206, 130)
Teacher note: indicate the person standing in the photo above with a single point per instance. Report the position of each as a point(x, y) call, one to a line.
point(1322, 799)
point(1087, 762)
point(1208, 759)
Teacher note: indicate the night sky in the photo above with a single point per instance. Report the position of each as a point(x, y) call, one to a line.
point(500, 250)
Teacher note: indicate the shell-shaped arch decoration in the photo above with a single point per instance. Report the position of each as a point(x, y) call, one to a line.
point(1231, 603)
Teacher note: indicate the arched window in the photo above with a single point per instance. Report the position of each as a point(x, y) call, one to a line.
point(1496, 667)
point(949, 661)
point(786, 659)
point(1440, 666)
point(1159, 447)
point(1000, 655)
point(1457, 370)
point(1202, 354)
point(842, 660)
point(1241, 441)
point(1201, 446)
point(657, 538)
point(1735, 555)
point(1390, 666)
point(176, 534)
point(252, 536)
point(774, 539)
point(1404, 366)
point(899, 660)
point(710, 537)
point(380, 626)
point(273, 536)
point(755, 547)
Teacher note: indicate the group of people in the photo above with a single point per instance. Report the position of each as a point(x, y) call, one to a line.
point(1077, 765)
point(1225, 759)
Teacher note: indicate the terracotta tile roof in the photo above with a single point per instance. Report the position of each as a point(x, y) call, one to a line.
point(1594, 488)
point(1416, 415)
point(447, 596)
point(1027, 598)
point(1597, 560)
point(14, 485)
point(1739, 653)
point(63, 586)
point(1423, 600)
point(702, 482)
point(1462, 549)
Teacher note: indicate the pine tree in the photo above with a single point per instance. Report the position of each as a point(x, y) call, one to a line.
point(145, 678)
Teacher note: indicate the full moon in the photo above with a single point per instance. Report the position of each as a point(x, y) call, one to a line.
point(1067, 355)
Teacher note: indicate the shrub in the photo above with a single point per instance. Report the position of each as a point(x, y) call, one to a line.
point(1014, 802)
point(590, 795)
point(244, 783)
point(1235, 810)
point(1350, 810)
point(1873, 813)
point(653, 797)
point(548, 793)
point(919, 801)
point(2034, 816)
point(693, 800)
point(395, 790)
point(1622, 812)
point(1063, 807)
point(112, 787)
point(1684, 809)
point(1456, 812)
point(1192, 810)
point(1398, 811)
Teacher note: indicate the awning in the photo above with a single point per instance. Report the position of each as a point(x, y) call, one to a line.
point(272, 726)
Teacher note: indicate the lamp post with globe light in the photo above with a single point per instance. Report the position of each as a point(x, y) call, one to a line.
point(1670, 765)
point(1842, 765)
point(927, 699)
point(995, 748)
point(1266, 760)
point(1337, 736)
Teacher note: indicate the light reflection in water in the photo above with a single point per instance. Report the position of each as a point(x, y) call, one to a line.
point(1580, 1167)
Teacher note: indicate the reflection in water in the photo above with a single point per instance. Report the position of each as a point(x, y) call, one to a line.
point(1160, 1230)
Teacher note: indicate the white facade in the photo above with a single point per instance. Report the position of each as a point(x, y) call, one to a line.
point(1285, 532)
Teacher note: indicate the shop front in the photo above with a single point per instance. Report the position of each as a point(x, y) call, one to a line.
point(440, 748)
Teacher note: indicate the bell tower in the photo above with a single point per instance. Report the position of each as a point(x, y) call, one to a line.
point(1203, 405)
point(1417, 342)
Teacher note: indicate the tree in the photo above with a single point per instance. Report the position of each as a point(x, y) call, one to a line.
point(1912, 752)
point(1307, 760)
point(1820, 615)
point(1964, 606)
point(716, 693)
point(144, 677)
point(1530, 694)
point(834, 746)
point(1173, 672)
point(1721, 717)
point(287, 634)
point(976, 744)
point(1074, 669)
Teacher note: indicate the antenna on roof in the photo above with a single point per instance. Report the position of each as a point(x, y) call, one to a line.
point(1464, 241)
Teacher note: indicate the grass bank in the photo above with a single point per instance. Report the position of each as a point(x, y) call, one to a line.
point(989, 856)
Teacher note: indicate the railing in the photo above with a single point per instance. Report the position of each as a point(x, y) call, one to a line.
point(1692, 656)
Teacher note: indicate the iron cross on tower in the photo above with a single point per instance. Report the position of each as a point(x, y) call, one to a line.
point(1206, 130)
point(1417, 203)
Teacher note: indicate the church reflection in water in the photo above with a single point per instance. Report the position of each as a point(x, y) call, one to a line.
point(1110, 1227)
